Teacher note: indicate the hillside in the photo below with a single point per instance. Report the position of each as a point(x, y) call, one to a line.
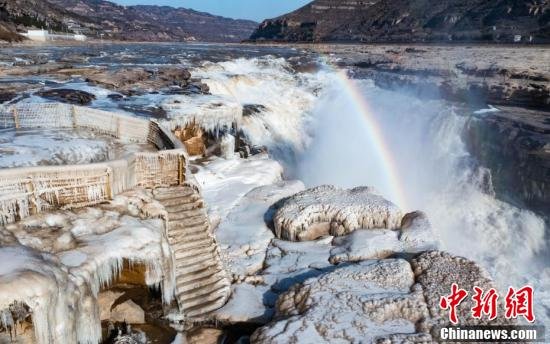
point(412, 21)
point(98, 18)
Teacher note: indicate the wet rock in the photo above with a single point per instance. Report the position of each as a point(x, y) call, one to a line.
point(128, 312)
point(174, 74)
point(116, 97)
point(252, 109)
point(6, 96)
point(119, 79)
point(147, 111)
point(328, 210)
point(191, 88)
point(66, 95)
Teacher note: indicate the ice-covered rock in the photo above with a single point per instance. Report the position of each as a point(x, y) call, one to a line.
point(380, 301)
point(436, 271)
point(248, 304)
point(128, 312)
point(354, 303)
point(328, 210)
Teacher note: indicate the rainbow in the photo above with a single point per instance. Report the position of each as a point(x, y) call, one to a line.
point(376, 134)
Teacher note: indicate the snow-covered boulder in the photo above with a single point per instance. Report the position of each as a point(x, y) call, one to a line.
point(328, 210)
point(359, 302)
point(376, 301)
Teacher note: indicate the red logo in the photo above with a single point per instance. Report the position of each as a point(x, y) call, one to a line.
point(518, 302)
point(485, 303)
point(452, 301)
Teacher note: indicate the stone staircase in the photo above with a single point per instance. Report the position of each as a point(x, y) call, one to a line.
point(202, 285)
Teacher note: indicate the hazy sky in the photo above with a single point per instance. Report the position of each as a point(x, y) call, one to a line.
point(242, 9)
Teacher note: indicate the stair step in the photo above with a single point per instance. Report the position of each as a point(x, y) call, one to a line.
point(187, 269)
point(190, 278)
point(189, 221)
point(178, 226)
point(180, 200)
point(192, 245)
point(202, 310)
point(208, 258)
point(177, 242)
point(189, 214)
point(190, 253)
point(179, 230)
point(161, 195)
point(180, 207)
point(202, 283)
point(202, 295)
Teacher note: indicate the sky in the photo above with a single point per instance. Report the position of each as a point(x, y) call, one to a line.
point(257, 10)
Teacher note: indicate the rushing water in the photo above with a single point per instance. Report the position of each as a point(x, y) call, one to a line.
point(312, 122)
point(329, 140)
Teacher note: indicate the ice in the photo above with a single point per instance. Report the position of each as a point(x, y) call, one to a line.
point(243, 235)
point(225, 182)
point(488, 110)
point(61, 287)
point(211, 113)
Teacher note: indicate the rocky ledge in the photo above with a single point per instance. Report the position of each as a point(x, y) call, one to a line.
point(378, 301)
point(372, 283)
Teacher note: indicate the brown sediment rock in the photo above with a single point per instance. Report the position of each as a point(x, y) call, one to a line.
point(192, 137)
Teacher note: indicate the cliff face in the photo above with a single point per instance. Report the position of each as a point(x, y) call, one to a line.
point(98, 18)
point(412, 21)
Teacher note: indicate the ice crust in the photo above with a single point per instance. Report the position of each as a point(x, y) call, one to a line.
point(60, 261)
point(342, 210)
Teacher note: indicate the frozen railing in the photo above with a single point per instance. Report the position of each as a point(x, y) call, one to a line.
point(31, 190)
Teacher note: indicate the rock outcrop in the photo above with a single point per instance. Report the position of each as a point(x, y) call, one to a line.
point(70, 96)
point(411, 21)
point(380, 301)
point(514, 144)
point(327, 210)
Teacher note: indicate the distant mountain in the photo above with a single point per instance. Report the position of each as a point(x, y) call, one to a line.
point(411, 21)
point(98, 18)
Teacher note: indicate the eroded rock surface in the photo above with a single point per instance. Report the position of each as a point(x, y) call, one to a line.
point(328, 210)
